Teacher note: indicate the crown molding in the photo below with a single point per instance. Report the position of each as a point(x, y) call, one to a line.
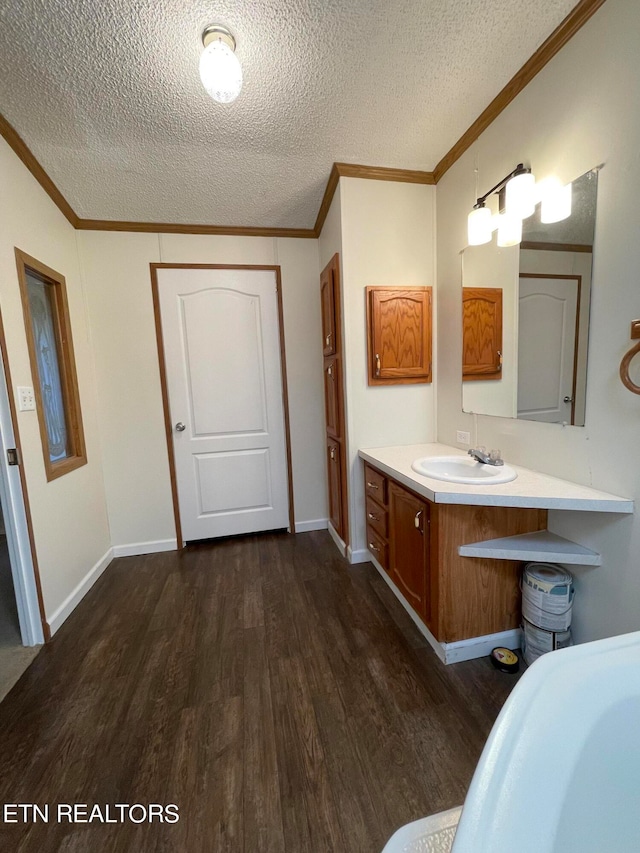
point(547, 50)
point(574, 21)
point(180, 228)
point(24, 153)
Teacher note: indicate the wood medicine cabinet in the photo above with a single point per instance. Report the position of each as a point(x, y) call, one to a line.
point(398, 335)
point(481, 333)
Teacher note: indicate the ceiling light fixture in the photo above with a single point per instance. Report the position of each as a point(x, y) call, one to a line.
point(518, 194)
point(220, 69)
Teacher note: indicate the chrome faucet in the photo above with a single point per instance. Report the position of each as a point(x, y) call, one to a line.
point(480, 454)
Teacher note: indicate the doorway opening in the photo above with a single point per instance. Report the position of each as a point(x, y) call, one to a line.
point(22, 624)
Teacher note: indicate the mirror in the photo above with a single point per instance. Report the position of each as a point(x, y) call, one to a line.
point(525, 318)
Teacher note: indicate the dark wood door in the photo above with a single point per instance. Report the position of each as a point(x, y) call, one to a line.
point(481, 333)
point(328, 308)
point(409, 546)
point(333, 396)
point(399, 332)
point(334, 468)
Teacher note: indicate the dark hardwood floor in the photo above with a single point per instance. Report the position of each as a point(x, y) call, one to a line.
point(282, 699)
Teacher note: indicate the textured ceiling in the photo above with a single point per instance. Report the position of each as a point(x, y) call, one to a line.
point(108, 98)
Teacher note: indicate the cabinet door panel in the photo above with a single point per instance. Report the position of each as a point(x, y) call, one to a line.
point(399, 330)
point(328, 308)
point(335, 486)
point(481, 333)
point(333, 396)
point(409, 547)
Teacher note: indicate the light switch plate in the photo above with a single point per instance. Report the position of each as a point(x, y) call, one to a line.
point(463, 437)
point(26, 400)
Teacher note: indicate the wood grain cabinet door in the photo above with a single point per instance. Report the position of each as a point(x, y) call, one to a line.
point(481, 333)
point(334, 469)
point(399, 335)
point(328, 309)
point(409, 547)
point(333, 396)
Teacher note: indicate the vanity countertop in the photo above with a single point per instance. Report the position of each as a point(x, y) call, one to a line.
point(529, 489)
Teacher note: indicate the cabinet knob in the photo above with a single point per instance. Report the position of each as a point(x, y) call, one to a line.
point(332, 452)
point(377, 365)
point(327, 340)
point(330, 371)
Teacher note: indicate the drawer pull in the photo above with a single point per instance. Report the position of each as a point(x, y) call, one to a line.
point(373, 486)
point(377, 365)
point(327, 340)
point(373, 547)
point(332, 453)
point(330, 371)
point(416, 521)
point(372, 516)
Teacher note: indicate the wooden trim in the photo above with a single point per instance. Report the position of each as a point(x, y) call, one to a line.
point(578, 281)
point(66, 364)
point(535, 245)
point(382, 173)
point(23, 481)
point(179, 228)
point(285, 398)
point(547, 50)
point(154, 267)
point(25, 154)
point(330, 190)
point(168, 427)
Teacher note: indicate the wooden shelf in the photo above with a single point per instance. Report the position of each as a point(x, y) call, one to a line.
point(543, 546)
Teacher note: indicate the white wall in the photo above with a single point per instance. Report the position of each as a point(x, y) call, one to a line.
point(582, 110)
point(130, 403)
point(69, 514)
point(387, 239)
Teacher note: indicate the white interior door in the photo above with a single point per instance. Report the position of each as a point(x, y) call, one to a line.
point(224, 380)
point(546, 348)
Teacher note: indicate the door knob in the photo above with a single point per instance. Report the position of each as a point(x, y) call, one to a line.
point(180, 427)
point(567, 400)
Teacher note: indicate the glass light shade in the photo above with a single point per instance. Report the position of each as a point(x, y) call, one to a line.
point(479, 226)
point(220, 72)
point(555, 200)
point(520, 199)
point(509, 230)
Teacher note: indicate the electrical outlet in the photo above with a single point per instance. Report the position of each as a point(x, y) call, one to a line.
point(26, 400)
point(463, 437)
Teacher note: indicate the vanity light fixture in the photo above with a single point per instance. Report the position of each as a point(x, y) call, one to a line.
point(220, 69)
point(518, 195)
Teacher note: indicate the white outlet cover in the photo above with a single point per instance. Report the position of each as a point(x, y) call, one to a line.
point(463, 437)
point(26, 399)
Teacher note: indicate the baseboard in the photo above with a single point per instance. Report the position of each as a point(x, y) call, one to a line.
point(474, 647)
point(479, 647)
point(314, 524)
point(72, 601)
point(360, 556)
point(339, 543)
point(136, 549)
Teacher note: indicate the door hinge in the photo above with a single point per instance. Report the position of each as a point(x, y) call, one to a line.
point(12, 456)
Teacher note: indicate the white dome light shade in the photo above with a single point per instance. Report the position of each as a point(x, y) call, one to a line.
point(520, 200)
point(479, 226)
point(220, 72)
point(555, 200)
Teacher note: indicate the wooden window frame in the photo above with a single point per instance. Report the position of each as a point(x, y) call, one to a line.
point(66, 361)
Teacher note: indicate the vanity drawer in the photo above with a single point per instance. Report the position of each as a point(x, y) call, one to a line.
point(375, 485)
point(378, 547)
point(377, 518)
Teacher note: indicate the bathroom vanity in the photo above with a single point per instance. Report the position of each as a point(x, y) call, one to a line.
point(452, 552)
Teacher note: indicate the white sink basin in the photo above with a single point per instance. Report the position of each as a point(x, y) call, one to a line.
point(463, 469)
